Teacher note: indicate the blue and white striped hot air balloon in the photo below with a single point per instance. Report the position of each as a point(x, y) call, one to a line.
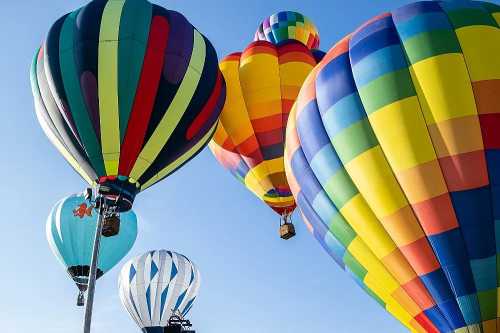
point(156, 286)
point(71, 228)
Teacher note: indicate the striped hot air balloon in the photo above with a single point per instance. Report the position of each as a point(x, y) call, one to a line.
point(156, 286)
point(249, 140)
point(393, 155)
point(128, 92)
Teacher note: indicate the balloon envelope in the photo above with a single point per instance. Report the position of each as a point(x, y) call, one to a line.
point(157, 285)
point(127, 91)
point(249, 140)
point(287, 25)
point(393, 157)
point(71, 228)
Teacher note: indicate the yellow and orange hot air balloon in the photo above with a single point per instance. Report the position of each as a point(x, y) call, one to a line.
point(262, 84)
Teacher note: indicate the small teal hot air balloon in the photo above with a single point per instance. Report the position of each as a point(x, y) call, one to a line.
point(70, 231)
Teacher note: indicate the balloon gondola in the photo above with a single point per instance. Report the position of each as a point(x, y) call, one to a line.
point(128, 92)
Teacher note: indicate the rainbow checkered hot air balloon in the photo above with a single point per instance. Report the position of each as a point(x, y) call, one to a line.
point(288, 25)
point(128, 92)
point(262, 84)
point(393, 156)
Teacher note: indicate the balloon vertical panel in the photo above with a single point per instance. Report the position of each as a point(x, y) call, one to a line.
point(407, 107)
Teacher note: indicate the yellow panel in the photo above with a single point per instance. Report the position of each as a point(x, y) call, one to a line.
point(496, 16)
point(294, 73)
point(262, 94)
point(481, 54)
point(372, 282)
point(443, 87)
point(256, 187)
point(366, 258)
point(373, 177)
point(256, 67)
point(263, 170)
point(402, 132)
point(234, 116)
point(397, 311)
point(367, 226)
point(108, 85)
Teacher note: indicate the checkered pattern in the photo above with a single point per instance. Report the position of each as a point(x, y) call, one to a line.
point(393, 157)
point(288, 25)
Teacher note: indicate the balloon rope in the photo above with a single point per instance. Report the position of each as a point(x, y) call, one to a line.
point(93, 266)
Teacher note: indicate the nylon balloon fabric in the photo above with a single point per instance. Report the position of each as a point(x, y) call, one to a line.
point(249, 140)
point(70, 230)
point(157, 285)
point(288, 25)
point(393, 156)
point(127, 91)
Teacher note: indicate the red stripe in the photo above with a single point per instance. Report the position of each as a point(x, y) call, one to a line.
point(490, 125)
point(145, 94)
point(207, 110)
point(424, 321)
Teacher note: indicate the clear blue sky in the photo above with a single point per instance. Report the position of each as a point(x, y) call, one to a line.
point(253, 282)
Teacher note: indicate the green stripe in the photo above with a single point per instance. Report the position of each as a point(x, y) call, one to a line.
point(71, 82)
point(175, 110)
point(341, 230)
point(108, 85)
point(354, 140)
point(429, 44)
point(386, 90)
point(340, 188)
point(354, 265)
point(134, 32)
point(488, 304)
point(491, 7)
point(471, 16)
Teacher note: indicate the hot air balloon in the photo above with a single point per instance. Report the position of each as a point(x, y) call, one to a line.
point(288, 25)
point(128, 92)
point(158, 290)
point(393, 156)
point(70, 232)
point(249, 140)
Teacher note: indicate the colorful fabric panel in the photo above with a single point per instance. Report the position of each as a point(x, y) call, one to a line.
point(262, 85)
point(398, 128)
